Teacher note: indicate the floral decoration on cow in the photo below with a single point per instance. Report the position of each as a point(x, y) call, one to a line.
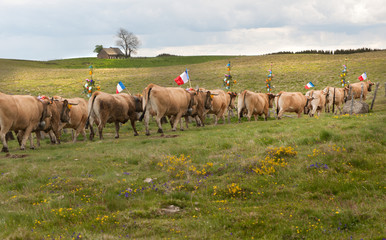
point(89, 87)
point(228, 78)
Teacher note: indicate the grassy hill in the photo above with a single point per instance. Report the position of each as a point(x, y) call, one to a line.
point(313, 178)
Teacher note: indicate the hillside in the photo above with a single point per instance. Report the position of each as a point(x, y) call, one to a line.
point(291, 72)
point(306, 178)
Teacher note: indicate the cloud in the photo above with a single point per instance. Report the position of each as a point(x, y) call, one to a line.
point(59, 29)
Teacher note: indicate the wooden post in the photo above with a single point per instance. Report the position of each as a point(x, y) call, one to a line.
point(333, 104)
point(361, 91)
point(352, 100)
point(375, 94)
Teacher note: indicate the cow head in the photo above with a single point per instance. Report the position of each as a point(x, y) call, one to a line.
point(208, 100)
point(271, 98)
point(308, 106)
point(370, 85)
point(46, 113)
point(233, 96)
point(192, 102)
point(345, 93)
point(138, 103)
point(65, 114)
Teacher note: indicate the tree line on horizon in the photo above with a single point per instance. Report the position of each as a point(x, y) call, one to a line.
point(338, 51)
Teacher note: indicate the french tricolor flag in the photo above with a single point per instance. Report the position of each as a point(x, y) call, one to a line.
point(120, 87)
point(362, 77)
point(183, 78)
point(309, 85)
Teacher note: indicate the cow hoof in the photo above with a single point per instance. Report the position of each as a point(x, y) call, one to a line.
point(181, 129)
point(4, 149)
point(160, 130)
point(116, 136)
point(147, 134)
point(136, 134)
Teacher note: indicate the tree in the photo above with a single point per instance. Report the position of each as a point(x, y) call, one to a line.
point(128, 42)
point(98, 48)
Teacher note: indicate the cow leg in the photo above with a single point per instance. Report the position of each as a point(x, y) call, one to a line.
point(38, 137)
point(92, 134)
point(54, 137)
point(116, 130)
point(146, 122)
point(280, 114)
point(132, 121)
point(176, 120)
point(26, 134)
point(158, 120)
point(4, 141)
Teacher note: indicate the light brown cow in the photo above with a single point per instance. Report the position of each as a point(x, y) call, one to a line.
point(318, 101)
point(340, 97)
point(357, 89)
point(21, 113)
point(112, 108)
point(78, 116)
point(165, 101)
point(222, 102)
point(292, 102)
point(254, 104)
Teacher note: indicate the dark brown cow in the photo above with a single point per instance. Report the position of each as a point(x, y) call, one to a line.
point(112, 108)
point(254, 104)
point(21, 113)
point(340, 96)
point(222, 102)
point(165, 101)
point(292, 102)
point(357, 89)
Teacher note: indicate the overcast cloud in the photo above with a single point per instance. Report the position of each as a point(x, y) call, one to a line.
point(56, 29)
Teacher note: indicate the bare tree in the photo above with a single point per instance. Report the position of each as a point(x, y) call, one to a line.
point(128, 41)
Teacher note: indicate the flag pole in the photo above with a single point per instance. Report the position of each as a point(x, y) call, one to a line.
point(127, 90)
point(190, 84)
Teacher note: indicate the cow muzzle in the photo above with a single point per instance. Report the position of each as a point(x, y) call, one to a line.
point(42, 124)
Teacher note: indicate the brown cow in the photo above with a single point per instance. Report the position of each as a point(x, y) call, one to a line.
point(59, 115)
point(112, 108)
point(357, 89)
point(340, 97)
point(165, 101)
point(21, 113)
point(202, 104)
point(292, 102)
point(254, 104)
point(78, 116)
point(318, 101)
point(222, 102)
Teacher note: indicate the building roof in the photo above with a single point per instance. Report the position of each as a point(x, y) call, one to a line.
point(113, 51)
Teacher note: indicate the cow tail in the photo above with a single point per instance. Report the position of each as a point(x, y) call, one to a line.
point(244, 105)
point(146, 98)
point(90, 110)
point(277, 104)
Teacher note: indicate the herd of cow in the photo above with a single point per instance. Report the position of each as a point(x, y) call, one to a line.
point(25, 114)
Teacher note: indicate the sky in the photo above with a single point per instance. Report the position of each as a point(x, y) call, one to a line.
point(60, 29)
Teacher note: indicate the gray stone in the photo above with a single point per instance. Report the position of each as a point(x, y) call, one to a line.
point(359, 107)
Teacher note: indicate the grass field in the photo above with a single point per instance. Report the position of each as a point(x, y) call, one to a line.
point(307, 178)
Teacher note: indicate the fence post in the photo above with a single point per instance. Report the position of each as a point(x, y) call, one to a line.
point(361, 91)
point(333, 104)
point(352, 100)
point(375, 94)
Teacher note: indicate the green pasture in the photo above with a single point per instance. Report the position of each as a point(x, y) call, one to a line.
point(307, 178)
